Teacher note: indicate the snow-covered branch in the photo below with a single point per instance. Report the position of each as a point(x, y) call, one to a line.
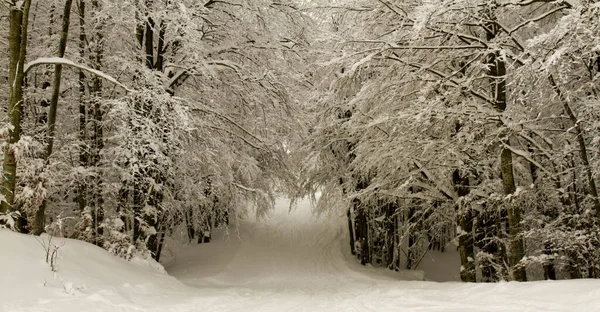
point(67, 62)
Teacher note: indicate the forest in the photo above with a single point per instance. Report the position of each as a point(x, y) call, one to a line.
point(427, 124)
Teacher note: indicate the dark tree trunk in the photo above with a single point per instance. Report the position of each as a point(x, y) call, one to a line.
point(390, 214)
point(160, 49)
point(139, 201)
point(517, 248)
point(40, 216)
point(142, 191)
point(486, 234)
point(161, 243)
point(411, 239)
point(362, 233)
point(549, 270)
point(465, 243)
point(191, 229)
point(465, 223)
point(17, 42)
point(98, 133)
point(351, 230)
point(83, 150)
point(498, 88)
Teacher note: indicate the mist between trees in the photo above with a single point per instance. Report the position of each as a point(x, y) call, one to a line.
point(468, 124)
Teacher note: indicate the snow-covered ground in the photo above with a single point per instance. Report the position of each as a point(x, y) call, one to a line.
point(289, 262)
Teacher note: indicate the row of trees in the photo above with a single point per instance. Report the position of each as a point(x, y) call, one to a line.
point(129, 120)
point(463, 120)
point(427, 122)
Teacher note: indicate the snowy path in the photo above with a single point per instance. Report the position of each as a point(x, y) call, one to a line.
point(289, 262)
point(296, 262)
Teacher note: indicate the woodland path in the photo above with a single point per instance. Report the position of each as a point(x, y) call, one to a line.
point(294, 261)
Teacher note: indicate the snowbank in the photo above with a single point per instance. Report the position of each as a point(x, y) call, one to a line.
point(87, 278)
point(290, 262)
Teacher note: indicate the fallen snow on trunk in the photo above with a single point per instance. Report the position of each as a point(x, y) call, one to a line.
point(289, 262)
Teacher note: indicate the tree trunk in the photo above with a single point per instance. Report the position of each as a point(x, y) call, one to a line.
point(517, 249)
point(549, 270)
point(149, 43)
point(190, 224)
point(160, 242)
point(83, 149)
point(390, 239)
point(155, 196)
point(40, 215)
point(465, 245)
point(351, 230)
point(498, 73)
point(487, 232)
point(154, 221)
point(465, 223)
point(160, 49)
point(18, 19)
point(411, 238)
point(362, 235)
point(97, 139)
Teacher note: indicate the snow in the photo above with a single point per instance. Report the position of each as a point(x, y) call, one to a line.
point(292, 261)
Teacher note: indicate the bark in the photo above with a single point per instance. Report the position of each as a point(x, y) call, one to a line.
point(487, 231)
point(138, 205)
point(498, 73)
point(160, 243)
point(97, 138)
point(18, 19)
point(191, 229)
point(517, 249)
point(51, 20)
point(153, 221)
point(465, 245)
point(351, 230)
point(574, 187)
point(145, 37)
point(362, 234)
point(149, 43)
point(155, 197)
point(549, 270)
point(83, 150)
point(396, 252)
point(390, 217)
point(123, 209)
point(160, 49)
point(411, 239)
point(465, 237)
point(40, 215)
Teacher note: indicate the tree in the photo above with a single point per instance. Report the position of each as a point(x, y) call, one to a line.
point(40, 216)
point(18, 19)
point(443, 84)
point(201, 123)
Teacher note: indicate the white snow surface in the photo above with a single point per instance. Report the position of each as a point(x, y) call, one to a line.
point(292, 261)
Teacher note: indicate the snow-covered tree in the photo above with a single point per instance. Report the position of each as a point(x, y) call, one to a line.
point(432, 110)
point(197, 128)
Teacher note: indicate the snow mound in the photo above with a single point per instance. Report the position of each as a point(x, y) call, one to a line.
point(86, 277)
